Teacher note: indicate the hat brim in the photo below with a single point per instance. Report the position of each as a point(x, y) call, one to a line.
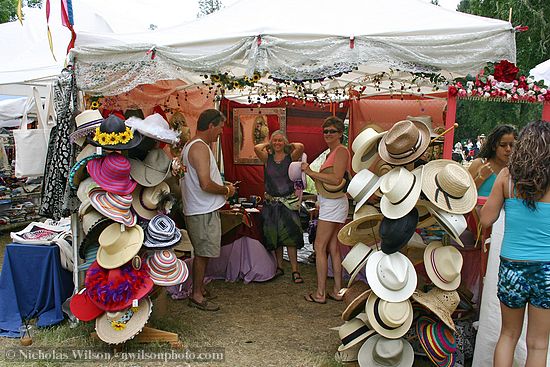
point(356, 306)
point(128, 218)
point(383, 292)
point(133, 327)
point(432, 304)
point(139, 208)
point(425, 136)
point(131, 144)
point(366, 355)
point(331, 191)
point(83, 308)
point(448, 227)
point(463, 205)
point(350, 233)
point(146, 176)
point(125, 254)
point(396, 333)
point(347, 262)
point(360, 338)
point(367, 152)
point(451, 286)
point(176, 277)
point(150, 242)
point(396, 211)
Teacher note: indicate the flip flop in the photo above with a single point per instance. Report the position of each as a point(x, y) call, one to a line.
point(333, 297)
point(309, 298)
point(297, 278)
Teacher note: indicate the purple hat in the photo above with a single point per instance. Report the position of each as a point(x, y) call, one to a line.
point(112, 174)
point(116, 207)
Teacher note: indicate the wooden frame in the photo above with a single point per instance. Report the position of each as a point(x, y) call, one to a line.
point(250, 128)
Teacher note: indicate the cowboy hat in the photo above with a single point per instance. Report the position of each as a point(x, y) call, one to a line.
point(437, 340)
point(443, 265)
point(425, 218)
point(332, 191)
point(453, 224)
point(391, 277)
point(382, 352)
point(404, 143)
point(112, 173)
point(83, 308)
point(392, 320)
point(86, 122)
point(116, 207)
point(117, 247)
point(441, 303)
point(146, 199)
point(353, 332)
point(401, 190)
point(113, 134)
point(77, 172)
point(362, 186)
point(427, 120)
point(395, 233)
point(355, 298)
point(154, 126)
point(118, 327)
point(166, 269)
point(364, 148)
point(356, 259)
point(161, 232)
point(449, 186)
point(363, 228)
point(153, 169)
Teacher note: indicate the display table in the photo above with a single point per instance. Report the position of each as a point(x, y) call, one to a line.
point(32, 284)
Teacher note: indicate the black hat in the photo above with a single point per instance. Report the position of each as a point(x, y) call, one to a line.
point(123, 139)
point(395, 233)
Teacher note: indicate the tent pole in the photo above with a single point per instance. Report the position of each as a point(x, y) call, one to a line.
point(450, 118)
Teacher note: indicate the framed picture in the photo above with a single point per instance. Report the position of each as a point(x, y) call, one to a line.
point(250, 127)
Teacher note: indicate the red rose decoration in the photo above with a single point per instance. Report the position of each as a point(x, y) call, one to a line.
point(452, 90)
point(505, 71)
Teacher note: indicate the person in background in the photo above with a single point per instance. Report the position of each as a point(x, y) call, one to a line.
point(492, 158)
point(523, 189)
point(332, 212)
point(280, 213)
point(203, 193)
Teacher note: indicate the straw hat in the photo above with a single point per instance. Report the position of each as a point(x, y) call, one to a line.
point(153, 169)
point(395, 233)
point(437, 340)
point(332, 191)
point(441, 303)
point(404, 143)
point(86, 122)
point(83, 308)
point(353, 332)
point(363, 228)
point(449, 186)
point(401, 190)
point(425, 218)
point(356, 259)
point(427, 120)
point(443, 265)
point(78, 171)
point(453, 224)
point(391, 277)
point(362, 186)
point(166, 269)
point(161, 232)
point(112, 173)
point(116, 207)
point(364, 146)
point(414, 249)
point(113, 127)
point(145, 199)
point(355, 298)
point(118, 327)
point(347, 355)
point(392, 320)
point(382, 352)
point(154, 126)
point(117, 247)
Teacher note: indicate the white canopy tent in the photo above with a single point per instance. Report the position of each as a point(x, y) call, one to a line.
point(542, 72)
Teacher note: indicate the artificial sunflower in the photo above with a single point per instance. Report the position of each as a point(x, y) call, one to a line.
point(118, 325)
point(113, 139)
point(94, 105)
point(255, 77)
point(103, 139)
point(215, 78)
point(97, 134)
point(236, 84)
point(125, 137)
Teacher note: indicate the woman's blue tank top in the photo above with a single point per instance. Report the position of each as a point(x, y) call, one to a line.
point(487, 185)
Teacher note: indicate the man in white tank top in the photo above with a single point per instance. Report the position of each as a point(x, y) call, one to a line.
point(203, 193)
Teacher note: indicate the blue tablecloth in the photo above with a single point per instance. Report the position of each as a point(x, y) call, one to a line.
point(32, 284)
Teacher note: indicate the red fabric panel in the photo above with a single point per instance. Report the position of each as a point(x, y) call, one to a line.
point(546, 111)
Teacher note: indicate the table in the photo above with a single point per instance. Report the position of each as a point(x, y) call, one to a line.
point(32, 284)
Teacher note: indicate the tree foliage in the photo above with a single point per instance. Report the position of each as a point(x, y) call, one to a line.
point(8, 9)
point(208, 6)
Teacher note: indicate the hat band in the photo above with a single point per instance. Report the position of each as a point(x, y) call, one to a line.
point(356, 334)
point(360, 262)
point(143, 203)
point(88, 124)
point(378, 318)
point(367, 187)
point(120, 324)
point(410, 151)
point(434, 267)
point(408, 192)
point(446, 195)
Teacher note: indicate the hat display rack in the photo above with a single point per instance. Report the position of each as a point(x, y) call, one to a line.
point(128, 237)
point(385, 242)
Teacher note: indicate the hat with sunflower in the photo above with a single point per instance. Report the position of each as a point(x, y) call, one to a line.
point(113, 134)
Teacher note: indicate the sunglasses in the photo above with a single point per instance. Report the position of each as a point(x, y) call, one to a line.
point(330, 131)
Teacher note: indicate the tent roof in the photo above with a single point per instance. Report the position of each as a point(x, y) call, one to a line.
point(542, 72)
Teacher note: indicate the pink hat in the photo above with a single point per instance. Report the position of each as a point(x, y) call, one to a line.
point(112, 174)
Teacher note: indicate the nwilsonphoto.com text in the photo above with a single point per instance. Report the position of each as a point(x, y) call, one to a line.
point(138, 355)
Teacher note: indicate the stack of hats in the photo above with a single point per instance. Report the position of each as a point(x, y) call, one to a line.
point(440, 191)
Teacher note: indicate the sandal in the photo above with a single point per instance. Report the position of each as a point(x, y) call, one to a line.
point(310, 298)
point(279, 272)
point(297, 278)
point(334, 298)
point(205, 305)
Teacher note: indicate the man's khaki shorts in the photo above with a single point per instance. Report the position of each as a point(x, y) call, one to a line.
point(205, 233)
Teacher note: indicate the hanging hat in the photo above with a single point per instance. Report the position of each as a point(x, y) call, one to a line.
point(332, 191)
point(365, 148)
point(117, 246)
point(401, 190)
point(362, 186)
point(93, 223)
point(86, 122)
point(404, 143)
point(121, 326)
point(83, 308)
point(84, 188)
point(381, 168)
point(382, 352)
point(153, 169)
point(166, 269)
point(453, 224)
point(395, 233)
point(414, 250)
point(161, 232)
point(112, 174)
point(146, 199)
point(90, 255)
point(391, 277)
point(441, 303)
point(427, 120)
point(355, 298)
point(425, 218)
point(443, 265)
point(133, 112)
point(356, 259)
point(77, 172)
point(392, 320)
point(295, 172)
point(353, 332)
point(363, 228)
point(113, 134)
point(449, 186)
point(116, 289)
point(116, 207)
point(348, 355)
point(437, 340)
point(154, 126)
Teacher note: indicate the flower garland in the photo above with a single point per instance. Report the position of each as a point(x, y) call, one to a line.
point(501, 81)
point(113, 138)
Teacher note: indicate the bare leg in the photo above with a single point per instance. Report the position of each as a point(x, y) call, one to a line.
point(279, 256)
point(512, 322)
point(199, 268)
point(293, 257)
point(538, 328)
point(324, 230)
point(336, 257)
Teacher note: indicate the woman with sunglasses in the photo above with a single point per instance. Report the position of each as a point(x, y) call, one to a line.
point(332, 212)
point(493, 157)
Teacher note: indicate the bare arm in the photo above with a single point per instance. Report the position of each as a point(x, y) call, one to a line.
point(199, 158)
point(261, 151)
point(296, 151)
point(491, 209)
point(339, 168)
point(480, 171)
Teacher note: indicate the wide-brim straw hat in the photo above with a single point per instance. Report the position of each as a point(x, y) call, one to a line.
point(355, 298)
point(83, 308)
point(405, 142)
point(365, 149)
point(154, 169)
point(449, 186)
point(401, 190)
point(453, 224)
point(443, 265)
point(117, 247)
point(78, 170)
point(425, 218)
point(116, 207)
point(362, 186)
point(84, 188)
point(356, 260)
point(378, 351)
point(392, 277)
point(348, 355)
point(154, 126)
point(442, 303)
point(437, 340)
point(86, 122)
point(145, 199)
point(363, 228)
point(331, 191)
point(353, 332)
point(112, 173)
point(392, 320)
point(118, 327)
point(166, 269)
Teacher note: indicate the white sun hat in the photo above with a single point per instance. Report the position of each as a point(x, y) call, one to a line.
point(154, 126)
point(392, 277)
point(383, 352)
point(401, 190)
point(392, 320)
point(443, 265)
point(362, 186)
point(365, 148)
point(453, 224)
point(356, 259)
